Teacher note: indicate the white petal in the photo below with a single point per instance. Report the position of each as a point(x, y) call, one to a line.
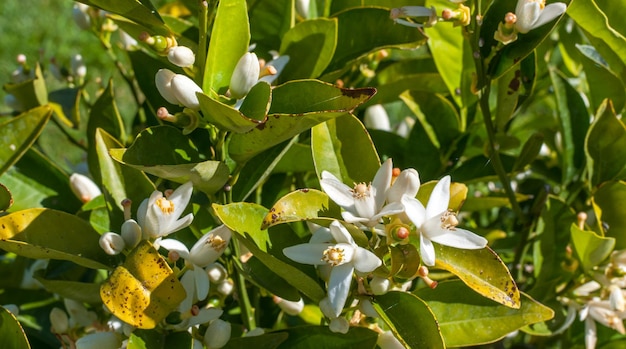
point(177, 225)
point(439, 198)
point(382, 182)
point(163, 82)
point(527, 13)
point(185, 89)
point(202, 282)
point(354, 219)
point(245, 75)
point(189, 284)
point(307, 253)
point(549, 13)
point(427, 251)
point(340, 233)
point(376, 118)
point(367, 206)
point(321, 235)
point(177, 246)
point(339, 325)
point(459, 238)
point(365, 261)
point(180, 198)
point(414, 210)
point(339, 286)
point(205, 315)
point(408, 182)
point(591, 337)
point(388, 210)
point(210, 246)
point(181, 56)
point(278, 63)
point(340, 193)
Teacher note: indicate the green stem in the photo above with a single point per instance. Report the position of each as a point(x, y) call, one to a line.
point(203, 17)
point(247, 311)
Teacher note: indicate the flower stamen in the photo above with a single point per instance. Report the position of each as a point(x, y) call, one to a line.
point(361, 191)
point(165, 205)
point(333, 256)
point(449, 220)
point(216, 242)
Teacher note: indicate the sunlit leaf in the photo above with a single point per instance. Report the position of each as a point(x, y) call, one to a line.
point(410, 319)
point(144, 290)
point(310, 46)
point(30, 93)
point(482, 270)
point(142, 12)
point(303, 204)
point(590, 247)
point(227, 118)
point(19, 133)
point(46, 233)
point(468, 319)
point(343, 147)
point(11, 331)
point(269, 21)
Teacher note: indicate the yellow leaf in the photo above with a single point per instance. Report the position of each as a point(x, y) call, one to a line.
point(144, 290)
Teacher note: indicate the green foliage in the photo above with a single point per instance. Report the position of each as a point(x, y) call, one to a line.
point(527, 125)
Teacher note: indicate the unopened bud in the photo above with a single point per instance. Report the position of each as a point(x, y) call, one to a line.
point(217, 273)
point(379, 285)
point(217, 334)
point(131, 233)
point(83, 187)
point(59, 321)
point(81, 16)
point(181, 56)
point(225, 287)
point(112, 243)
point(376, 118)
point(423, 273)
point(163, 82)
point(581, 218)
point(185, 89)
point(245, 76)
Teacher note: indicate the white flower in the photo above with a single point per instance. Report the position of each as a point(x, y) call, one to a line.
point(112, 243)
point(158, 216)
point(344, 257)
point(204, 252)
point(245, 76)
point(289, 307)
point(177, 88)
point(376, 118)
point(181, 56)
point(163, 82)
point(363, 204)
point(532, 14)
point(436, 223)
point(414, 11)
point(600, 311)
point(83, 187)
point(131, 233)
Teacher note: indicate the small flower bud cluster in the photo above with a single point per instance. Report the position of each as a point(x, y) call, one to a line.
point(178, 89)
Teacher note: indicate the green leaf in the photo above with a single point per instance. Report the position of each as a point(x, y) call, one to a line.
point(377, 33)
point(512, 87)
point(6, 199)
point(296, 107)
point(314, 337)
point(482, 270)
point(607, 205)
point(119, 182)
point(11, 331)
point(591, 248)
point(343, 147)
point(602, 34)
point(310, 46)
point(603, 83)
point(529, 152)
point(142, 12)
point(30, 93)
point(245, 219)
point(144, 290)
point(269, 21)
point(410, 319)
point(270, 340)
point(19, 133)
point(145, 68)
point(506, 57)
point(46, 233)
point(303, 204)
point(574, 121)
point(467, 319)
point(230, 37)
point(604, 145)
point(79, 291)
point(227, 118)
point(264, 277)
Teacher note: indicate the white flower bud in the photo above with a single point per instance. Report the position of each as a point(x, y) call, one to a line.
point(81, 17)
point(217, 273)
point(302, 8)
point(407, 183)
point(12, 308)
point(99, 340)
point(225, 287)
point(59, 321)
point(218, 334)
point(184, 89)
point(78, 66)
point(289, 307)
point(112, 243)
point(181, 56)
point(379, 285)
point(163, 82)
point(131, 233)
point(245, 76)
point(83, 187)
point(376, 118)
point(387, 340)
point(79, 315)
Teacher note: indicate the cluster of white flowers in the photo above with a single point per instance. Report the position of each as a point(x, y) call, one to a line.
point(529, 15)
point(389, 200)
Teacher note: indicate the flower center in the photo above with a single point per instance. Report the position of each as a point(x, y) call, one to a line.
point(449, 220)
point(165, 205)
point(542, 3)
point(333, 256)
point(361, 191)
point(216, 242)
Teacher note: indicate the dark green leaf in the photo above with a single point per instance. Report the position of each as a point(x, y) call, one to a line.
point(6, 199)
point(607, 204)
point(266, 341)
point(142, 12)
point(310, 46)
point(227, 118)
point(30, 93)
point(604, 145)
point(13, 336)
point(314, 337)
point(603, 83)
